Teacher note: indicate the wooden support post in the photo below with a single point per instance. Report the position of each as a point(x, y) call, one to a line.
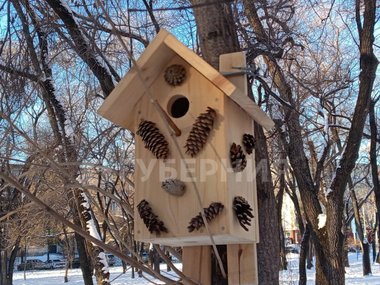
point(242, 264)
point(197, 263)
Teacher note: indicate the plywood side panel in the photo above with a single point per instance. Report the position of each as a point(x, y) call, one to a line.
point(240, 183)
point(197, 264)
point(242, 264)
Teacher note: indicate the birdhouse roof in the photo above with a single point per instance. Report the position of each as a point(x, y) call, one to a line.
point(119, 106)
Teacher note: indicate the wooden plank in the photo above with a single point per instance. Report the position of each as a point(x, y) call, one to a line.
point(242, 264)
point(227, 64)
point(197, 264)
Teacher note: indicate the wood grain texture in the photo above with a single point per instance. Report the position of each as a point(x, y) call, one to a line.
point(197, 264)
point(242, 264)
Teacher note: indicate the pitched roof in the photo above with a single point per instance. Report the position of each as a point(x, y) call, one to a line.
point(120, 104)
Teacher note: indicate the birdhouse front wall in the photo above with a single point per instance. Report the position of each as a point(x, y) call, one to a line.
point(209, 169)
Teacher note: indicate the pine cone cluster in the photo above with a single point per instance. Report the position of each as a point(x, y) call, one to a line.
point(200, 131)
point(211, 212)
point(243, 211)
point(153, 139)
point(237, 158)
point(249, 143)
point(150, 220)
point(174, 187)
point(175, 74)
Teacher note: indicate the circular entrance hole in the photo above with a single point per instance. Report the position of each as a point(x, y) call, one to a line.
point(178, 106)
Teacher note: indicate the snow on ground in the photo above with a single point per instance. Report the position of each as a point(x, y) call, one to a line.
point(288, 277)
point(354, 273)
point(53, 277)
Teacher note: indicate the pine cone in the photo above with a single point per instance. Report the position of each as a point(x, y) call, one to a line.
point(174, 186)
point(211, 212)
point(237, 157)
point(249, 143)
point(200, 131)
point(150, 220)
point(153, 139)
point(243, 211)
point(175, 74)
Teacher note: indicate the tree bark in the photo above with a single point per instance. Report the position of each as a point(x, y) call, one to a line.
point(216, 30)
point(268, 248)
point(303, 254)
point(359, 227)
point(374, 168)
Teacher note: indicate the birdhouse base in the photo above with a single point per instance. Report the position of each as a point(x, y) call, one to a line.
point(199, 240)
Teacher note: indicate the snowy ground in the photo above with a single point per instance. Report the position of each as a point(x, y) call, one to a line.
point(289, 277)
point(354, 273)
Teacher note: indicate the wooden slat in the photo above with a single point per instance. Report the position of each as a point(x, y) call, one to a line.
point(197, 264)
point(242, 264)
point(227, 62)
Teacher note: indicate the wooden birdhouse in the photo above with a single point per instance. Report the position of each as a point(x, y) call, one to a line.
point(193, 129)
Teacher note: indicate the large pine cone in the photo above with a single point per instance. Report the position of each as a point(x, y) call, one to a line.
point(175, 74)
point(211, 212)
point(243, 211)
point(151, 221)
point(249, 143)
point(237, 157)
point(153, 139)
point(200, 131)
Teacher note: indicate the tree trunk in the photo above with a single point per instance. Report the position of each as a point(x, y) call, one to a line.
point(283, 261)
point(85, 261)
point(216, 30)
point(310, 255)
point(359, 227)
point(279, 204)
point(303, 254)
point(268, 247)
point(374, 169)
point(366, 259)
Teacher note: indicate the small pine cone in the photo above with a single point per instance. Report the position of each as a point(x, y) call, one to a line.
point(200, 131)
point(175, 74)
point(237, 157)
point(211, 212)
point(151, 221)
point(153, 139)
point(174, 187)
point(249, 143)
point(243, 211)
